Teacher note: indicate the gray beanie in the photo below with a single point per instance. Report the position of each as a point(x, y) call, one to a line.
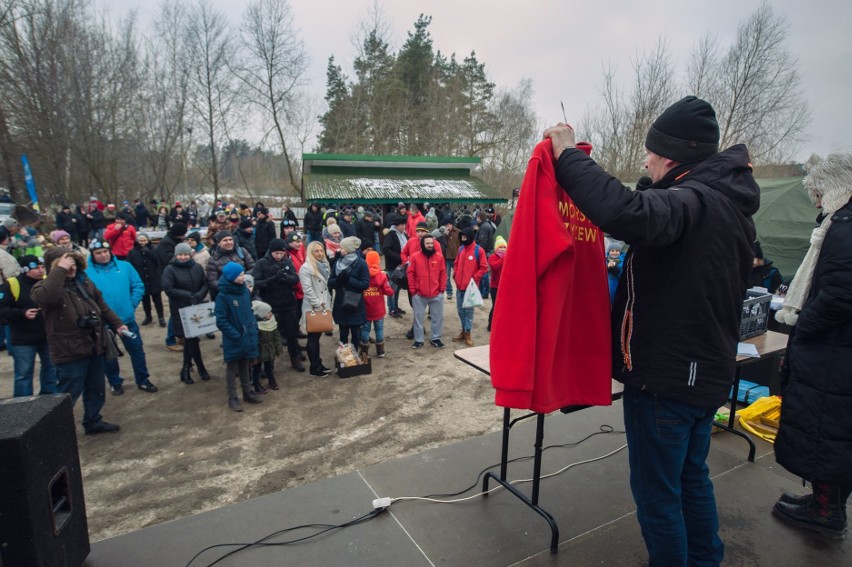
point(350, 244)
point(261, 309)
point(183, 248)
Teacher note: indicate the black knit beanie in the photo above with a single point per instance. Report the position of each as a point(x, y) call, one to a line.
point(277, 245)
point(178, 229)
point(686, 131)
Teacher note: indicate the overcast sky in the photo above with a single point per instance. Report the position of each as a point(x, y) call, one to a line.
point(562, 45)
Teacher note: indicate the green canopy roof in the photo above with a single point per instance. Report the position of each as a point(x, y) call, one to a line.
point(784, 222)
point(330, 178)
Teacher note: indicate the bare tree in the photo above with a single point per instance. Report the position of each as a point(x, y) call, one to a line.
point(274, 66)
point(618, 129)
point(755, 87)
point(212, 92)
point(161, 121)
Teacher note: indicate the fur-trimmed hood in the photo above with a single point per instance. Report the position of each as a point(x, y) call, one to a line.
point(830, 177)
point(52, 255)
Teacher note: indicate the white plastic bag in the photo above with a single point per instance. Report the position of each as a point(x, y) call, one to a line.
point(472, 297)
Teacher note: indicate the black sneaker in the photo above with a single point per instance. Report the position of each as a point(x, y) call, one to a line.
point(116, 390)
point(234, 404)
point(146, 321)
point(147, 387)
point(437, 343)
point(417, 344)
point(410, 334)
point(102, 427)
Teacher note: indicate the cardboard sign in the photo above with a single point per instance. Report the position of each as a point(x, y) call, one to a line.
point(198, 319)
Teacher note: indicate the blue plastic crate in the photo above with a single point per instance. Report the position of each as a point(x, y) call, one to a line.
point(749, 392)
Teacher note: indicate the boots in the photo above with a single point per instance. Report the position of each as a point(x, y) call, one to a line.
point(364, 351)
point(468, 340)
point(272, 383)
point(195, 354)
point(250, 397)
point(185, 373)
point(796, 499)
point(459, 338)
point(147, 320)
point(297, 363)
point(824, 513)
point(380, 349)
point(161, 321)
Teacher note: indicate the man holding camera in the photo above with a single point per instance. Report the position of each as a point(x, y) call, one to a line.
point(75, 314)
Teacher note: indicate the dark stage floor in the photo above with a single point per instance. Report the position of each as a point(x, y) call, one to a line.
point(591, 504)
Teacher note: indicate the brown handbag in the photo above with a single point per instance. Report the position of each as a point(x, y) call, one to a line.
point(319, 321)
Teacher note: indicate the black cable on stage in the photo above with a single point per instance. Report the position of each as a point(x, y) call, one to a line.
point(262, 542)
point(605, 429)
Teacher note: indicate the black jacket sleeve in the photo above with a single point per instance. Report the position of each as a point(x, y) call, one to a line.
point(654, 217)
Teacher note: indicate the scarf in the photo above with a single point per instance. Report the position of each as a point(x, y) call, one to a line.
point(402, 237)
point(268, 325)
point(345, 262)
point(800, 287)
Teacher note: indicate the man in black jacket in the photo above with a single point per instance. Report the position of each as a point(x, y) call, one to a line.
point(264, 231)
point(28, 337)
point(691, 237)
point(276, 279)
point(313, 223)
point(365, 230)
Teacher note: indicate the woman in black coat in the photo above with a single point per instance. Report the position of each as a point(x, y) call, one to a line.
point(144, 258)
point(82, 226)
point(185, 284)
point(815, 437)
point(66, 221)
point(349, 273)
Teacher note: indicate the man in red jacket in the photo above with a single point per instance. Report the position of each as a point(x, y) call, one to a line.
point(121, 236)
point(427, 280)
point(471, 262)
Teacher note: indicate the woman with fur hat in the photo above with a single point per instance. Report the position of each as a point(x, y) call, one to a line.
point(185, 284)
point(349, 273)
point(235, 318)
point(815, 437)
point(314, 275)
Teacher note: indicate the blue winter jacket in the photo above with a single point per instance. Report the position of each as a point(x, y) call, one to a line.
point(120, 285)
point(235, 318)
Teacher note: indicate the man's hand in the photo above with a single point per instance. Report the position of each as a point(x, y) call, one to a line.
point(66, 262)
point(31, 313)
point(122, 329)
point(563, 137)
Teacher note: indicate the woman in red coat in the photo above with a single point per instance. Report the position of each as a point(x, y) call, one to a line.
point(121, 236)
point(495, 262)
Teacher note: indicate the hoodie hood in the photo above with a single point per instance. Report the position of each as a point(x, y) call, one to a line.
point(728, 172)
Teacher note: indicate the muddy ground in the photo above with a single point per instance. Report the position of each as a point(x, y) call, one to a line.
point(181, 451)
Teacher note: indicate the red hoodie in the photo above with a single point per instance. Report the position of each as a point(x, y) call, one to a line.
point(412, 245)
point(374, 300)
point(470, 263)
point(554, 302)
point(411, 224)
point(121, 239)
point(298, 258)
point(495, 262)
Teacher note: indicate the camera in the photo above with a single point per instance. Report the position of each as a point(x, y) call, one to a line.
point(89, 321)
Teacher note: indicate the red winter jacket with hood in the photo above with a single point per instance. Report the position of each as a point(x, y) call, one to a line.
point(551, 339)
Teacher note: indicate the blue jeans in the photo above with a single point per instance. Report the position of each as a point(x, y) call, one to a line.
point(393, 300)
point(170, 334)
point(450, 278)
point(24, 359)
point(485, 282)
point(86, 377)
point(311, 236)
point(134, 348)
point(379, 325)
point(465, 315)
point(668, 443)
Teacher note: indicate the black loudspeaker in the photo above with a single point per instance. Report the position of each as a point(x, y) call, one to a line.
point(42, 513)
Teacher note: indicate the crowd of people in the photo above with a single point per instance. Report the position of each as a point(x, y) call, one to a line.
point(69, 297)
